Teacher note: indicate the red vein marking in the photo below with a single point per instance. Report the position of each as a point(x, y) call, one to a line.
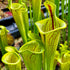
point(51, 16)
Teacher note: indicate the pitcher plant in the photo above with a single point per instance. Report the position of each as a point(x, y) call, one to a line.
point(50, 32)
point(31, 53)
point(64, 61)
point(12, 61)
point(44, 48)
point(64, 57)
point(20, 14)
point(3, 39)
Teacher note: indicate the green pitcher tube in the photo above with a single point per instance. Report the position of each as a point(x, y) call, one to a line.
point(21, 21)
point(50, 32)
point(31, 53)
point(36, 6)
point(20, 14)
point(3, 39)
point(12, 61)
point(10, 3)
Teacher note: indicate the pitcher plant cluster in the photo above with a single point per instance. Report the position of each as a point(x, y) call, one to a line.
point(39, 51)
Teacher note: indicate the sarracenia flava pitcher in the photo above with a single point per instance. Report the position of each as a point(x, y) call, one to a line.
point(12, 61)
point(31, 53)
point(50, 33)
point(3, 39)
point(20, 15)
point(64, 61)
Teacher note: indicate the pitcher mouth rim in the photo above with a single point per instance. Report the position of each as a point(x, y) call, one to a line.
point(35, 52)
point(12, 7)
point(19, 6)
point(56, 29)
point(4, 61)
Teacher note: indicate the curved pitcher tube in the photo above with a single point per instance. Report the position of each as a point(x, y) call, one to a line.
point(3, 39)
point(20, 15)
point(12, 61)
point(50, 33)
point(31, 53)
